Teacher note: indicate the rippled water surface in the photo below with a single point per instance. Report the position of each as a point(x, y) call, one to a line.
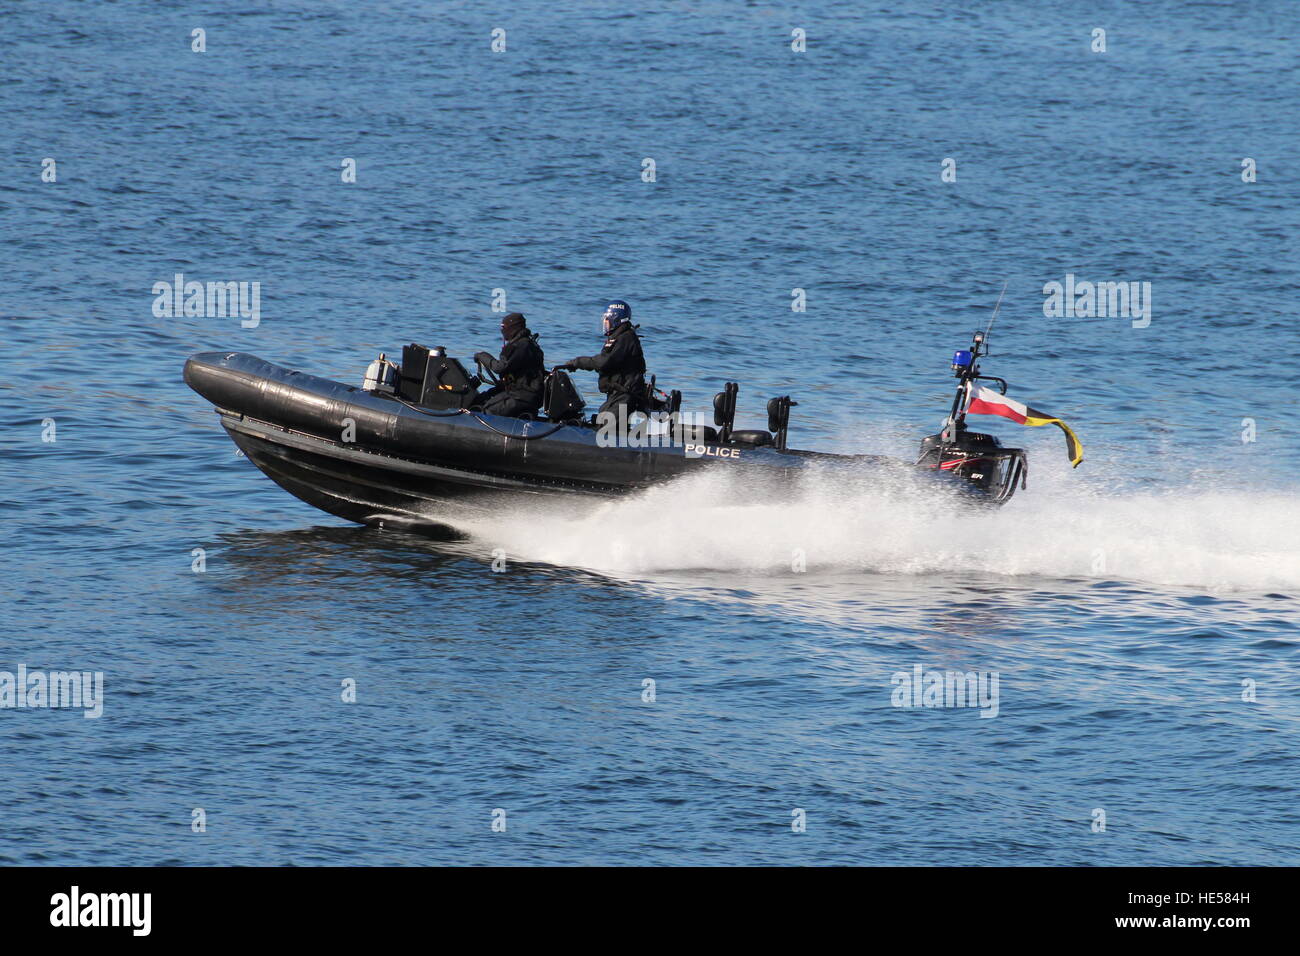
point(1126, 606)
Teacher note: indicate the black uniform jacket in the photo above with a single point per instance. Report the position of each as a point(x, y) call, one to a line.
point(621, 363)
point(521, 367)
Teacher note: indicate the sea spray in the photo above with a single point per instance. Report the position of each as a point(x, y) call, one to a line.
point(1209, 539)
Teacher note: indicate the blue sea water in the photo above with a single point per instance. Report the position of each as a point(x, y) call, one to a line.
point(1127, 606)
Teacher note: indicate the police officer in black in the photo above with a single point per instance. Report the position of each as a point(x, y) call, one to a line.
point(621, 364)
point(521, 371)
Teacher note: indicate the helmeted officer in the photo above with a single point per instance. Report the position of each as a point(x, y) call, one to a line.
point(620, 364)
point(520, 369)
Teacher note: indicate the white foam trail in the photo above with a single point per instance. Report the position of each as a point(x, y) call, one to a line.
point(1212, 539)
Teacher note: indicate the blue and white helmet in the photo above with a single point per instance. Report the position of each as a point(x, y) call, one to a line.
point(616, 313)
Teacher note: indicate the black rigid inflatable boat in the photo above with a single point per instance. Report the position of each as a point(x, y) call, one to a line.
point(408, 444)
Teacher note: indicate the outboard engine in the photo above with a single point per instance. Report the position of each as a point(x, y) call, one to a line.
point(976, 457)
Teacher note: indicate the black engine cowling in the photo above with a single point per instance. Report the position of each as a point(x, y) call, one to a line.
point(978, 458)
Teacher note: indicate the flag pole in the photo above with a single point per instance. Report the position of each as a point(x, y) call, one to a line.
point(979, 347)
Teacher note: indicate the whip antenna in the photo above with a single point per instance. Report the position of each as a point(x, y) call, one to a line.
point(996, 308)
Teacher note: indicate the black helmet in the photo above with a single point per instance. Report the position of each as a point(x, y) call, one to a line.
point(512, 325)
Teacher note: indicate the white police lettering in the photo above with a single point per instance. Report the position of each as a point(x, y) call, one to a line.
point(704, 451)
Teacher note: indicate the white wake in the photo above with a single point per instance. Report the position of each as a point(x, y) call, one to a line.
point(1216, 539)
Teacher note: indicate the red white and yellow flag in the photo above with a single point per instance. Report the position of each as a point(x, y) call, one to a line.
point(985, 401)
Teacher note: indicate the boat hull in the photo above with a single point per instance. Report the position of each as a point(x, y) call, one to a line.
point(374, 459)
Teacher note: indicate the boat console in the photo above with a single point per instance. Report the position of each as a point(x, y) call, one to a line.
point(433, 379)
